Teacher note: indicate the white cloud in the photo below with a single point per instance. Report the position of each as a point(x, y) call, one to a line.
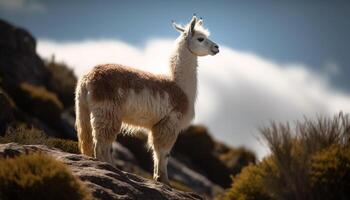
point(238, 91)
point(22, 5)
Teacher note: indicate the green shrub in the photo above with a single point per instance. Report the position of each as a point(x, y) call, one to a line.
point(330, 173)
point(25, 135)
point(37, 176)
point(63, 81)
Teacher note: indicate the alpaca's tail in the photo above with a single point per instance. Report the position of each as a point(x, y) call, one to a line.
point(82, 122)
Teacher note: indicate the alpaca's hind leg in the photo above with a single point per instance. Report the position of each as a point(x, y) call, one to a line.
point(105, 127)
point(162, 139)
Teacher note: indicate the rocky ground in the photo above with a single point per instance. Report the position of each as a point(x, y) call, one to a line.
point(104, 181)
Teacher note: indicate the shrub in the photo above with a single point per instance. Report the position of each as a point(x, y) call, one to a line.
point(63, 81)
point(249, 184)
point(41, 103)
point(37, 176)
point(25, 135)
point(41, 94)
point(330, 173)
point(310, 161)
point(69, 146)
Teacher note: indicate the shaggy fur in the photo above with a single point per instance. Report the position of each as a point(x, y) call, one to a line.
point(112, 95)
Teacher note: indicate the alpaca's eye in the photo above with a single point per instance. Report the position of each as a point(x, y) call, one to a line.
point(200, 39)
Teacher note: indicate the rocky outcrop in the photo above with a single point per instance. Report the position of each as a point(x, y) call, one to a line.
point(19, 61)
point(30, 83)
point(104, 181)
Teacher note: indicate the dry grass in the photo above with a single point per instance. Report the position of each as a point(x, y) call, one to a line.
point(40, 103)
point(41, 93)
point(24, 135)
point(37, 176)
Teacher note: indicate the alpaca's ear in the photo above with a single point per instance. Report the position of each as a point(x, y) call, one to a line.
point(200, 22)
point(178, 27)
point(192, 25)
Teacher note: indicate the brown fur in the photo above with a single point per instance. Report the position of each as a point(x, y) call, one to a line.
point(106, 80)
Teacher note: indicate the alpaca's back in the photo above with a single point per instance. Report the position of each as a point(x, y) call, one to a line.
point(142, 98)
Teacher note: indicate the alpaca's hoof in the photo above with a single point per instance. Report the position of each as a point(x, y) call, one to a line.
point(162, 180)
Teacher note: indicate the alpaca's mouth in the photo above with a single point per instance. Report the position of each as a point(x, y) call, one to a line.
point(214, 52)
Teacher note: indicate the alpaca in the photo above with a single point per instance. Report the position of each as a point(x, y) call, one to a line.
point(111, 96)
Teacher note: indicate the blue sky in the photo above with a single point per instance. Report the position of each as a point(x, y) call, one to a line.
point(279, 60)
point(315, 33)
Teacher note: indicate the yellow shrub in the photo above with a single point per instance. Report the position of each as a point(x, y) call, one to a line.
point(251, 183)
point(37, 176)
point(330, 173)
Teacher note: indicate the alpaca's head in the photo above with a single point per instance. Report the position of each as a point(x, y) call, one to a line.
point(196, 37)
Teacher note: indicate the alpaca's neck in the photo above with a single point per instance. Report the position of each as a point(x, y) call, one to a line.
point(184, 70)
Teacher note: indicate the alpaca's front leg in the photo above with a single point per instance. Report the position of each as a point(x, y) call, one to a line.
point(160, 172)
point(162, 139)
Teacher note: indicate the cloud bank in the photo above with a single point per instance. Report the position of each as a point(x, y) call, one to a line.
point(22, 5)
point(238, 91)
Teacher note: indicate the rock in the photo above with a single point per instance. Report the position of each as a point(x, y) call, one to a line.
point(7, 111)
point(30, 83)
point(104, 181)
point(178, 170)
point(197, 182)
point(18, 59)
point(197, 144)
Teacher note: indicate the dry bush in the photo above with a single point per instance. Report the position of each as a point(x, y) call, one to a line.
point(25, 135)
point(330, 173)
point(63, 81)
point(36, 176)
point(41, 103)
point(42, 94)
point(310, 161)
point(250, 184)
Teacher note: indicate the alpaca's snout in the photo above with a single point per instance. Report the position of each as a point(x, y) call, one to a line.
point(215, 49)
